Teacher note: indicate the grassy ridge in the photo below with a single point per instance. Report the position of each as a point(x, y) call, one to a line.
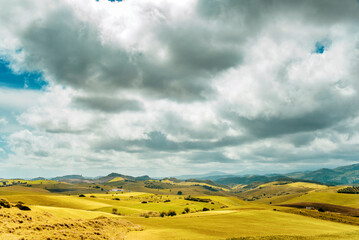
point(231, 223)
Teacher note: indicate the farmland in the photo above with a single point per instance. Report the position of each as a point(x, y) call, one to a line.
point(177, 210)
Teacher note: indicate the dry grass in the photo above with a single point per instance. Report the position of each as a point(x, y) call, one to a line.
point(39, 224)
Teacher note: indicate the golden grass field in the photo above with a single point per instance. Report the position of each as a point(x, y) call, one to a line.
point(137, 215)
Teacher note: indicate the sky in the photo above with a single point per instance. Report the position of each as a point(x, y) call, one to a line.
point(165, 88)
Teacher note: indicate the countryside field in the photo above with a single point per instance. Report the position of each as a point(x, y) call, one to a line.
point(221, 214)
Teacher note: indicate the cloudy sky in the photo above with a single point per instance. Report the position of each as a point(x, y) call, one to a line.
point(163, 87)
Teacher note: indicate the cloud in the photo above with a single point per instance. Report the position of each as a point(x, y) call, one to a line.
point(3, 121)
point(107, 104)
point(232, 85)
point(205, 157)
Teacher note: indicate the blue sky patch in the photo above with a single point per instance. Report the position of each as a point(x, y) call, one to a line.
point(322, 46)
point(319, 47)
point(26, 80)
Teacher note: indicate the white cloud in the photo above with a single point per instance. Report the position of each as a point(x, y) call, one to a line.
point(3, 121)
point(155, 85)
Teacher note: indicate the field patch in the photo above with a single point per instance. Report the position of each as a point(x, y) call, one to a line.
point(230, 224)
point(40, 224)
point(349, 200)
point(325, 207)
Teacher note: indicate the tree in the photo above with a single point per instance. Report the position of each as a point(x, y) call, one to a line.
point(171, 213)
point(114, 210)
point(179, 193)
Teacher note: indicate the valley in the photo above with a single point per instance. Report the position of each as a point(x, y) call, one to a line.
point(123, 207)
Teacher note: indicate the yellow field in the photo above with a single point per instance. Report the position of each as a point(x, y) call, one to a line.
point(30, 182)
point(231, 223)
point(350, 200)
point(137, 213)
point(117, 179)
point(194, 184)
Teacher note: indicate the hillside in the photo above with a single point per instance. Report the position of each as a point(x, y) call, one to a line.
point(38, 223)
point(337, 176)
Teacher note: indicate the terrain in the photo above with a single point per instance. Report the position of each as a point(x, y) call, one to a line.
point(123, 207)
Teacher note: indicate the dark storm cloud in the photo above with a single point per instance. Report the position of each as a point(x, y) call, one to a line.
point(107, 104)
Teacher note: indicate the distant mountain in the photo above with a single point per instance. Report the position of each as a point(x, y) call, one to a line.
point(337, 176)
point(125, 177)
point(38, 178)
point(247, 179)
point(78, 177)
point(142, 178)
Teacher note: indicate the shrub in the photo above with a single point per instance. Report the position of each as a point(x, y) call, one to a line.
point(114, 210)
point(171, 213)
point(5, 203)
point(162, 214)
point(179, 193)
point(116, 199)
point(144, 202)
point(22, 207)
point(150, 214)
point(93, 196)
point(167, 200)
point(205, 209)
point(189, 198)
point(81, 195)
point(321, 210)
point(186, 210)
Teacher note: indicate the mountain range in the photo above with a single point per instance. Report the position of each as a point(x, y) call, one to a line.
point(343, 175)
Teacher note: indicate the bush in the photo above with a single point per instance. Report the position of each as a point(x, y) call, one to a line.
point(144, 202)
point(167, 200)
point(93, 196)
point(189, 198)
point(321, 210)
point(81, 195)
point(205, 209)
point(150, 214)
point(179, 193)
point(5, 203)
point(162, 214)
point(171, 213)
point(22, 207)
point(114, 210)
point(186, 210)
